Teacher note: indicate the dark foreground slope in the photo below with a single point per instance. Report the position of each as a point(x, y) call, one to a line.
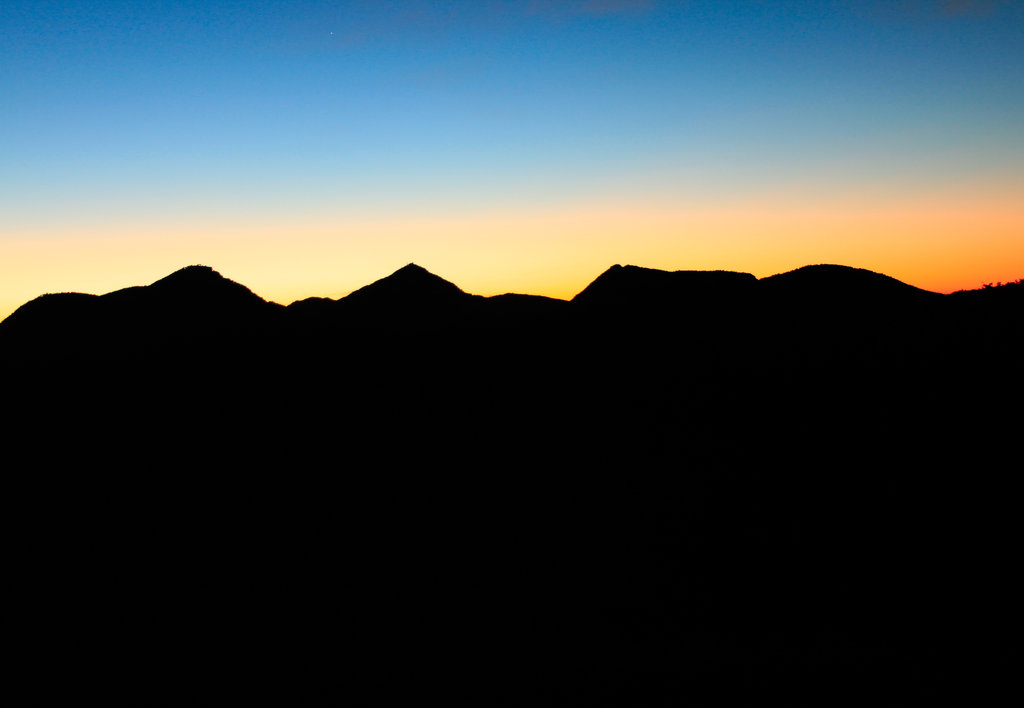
point(664, 496)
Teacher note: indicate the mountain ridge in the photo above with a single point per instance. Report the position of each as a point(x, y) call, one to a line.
point(198, 301)
point(412, 278)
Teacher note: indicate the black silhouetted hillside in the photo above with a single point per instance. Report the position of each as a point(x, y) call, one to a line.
point(752, 495)
point(995, 293)
point(193, 307)
point(411, 297)
point(53, 312)
point(838, 284)
point(196, 294)
point(650, 288)
point(526, 310)
point(201, 287)
point(411, 285)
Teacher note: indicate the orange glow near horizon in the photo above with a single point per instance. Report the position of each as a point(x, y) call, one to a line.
point(940, 243)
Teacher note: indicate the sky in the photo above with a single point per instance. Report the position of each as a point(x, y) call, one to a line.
point(310, 147)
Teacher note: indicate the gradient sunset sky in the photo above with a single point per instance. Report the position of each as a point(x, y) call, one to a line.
point(311, 147)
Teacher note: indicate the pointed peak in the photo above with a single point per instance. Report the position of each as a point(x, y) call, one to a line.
point(409, 281)
point(413, 273)
point(412, 268)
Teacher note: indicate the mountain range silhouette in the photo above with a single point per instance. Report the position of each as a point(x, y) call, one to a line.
point(690, 487)
point(198, 300)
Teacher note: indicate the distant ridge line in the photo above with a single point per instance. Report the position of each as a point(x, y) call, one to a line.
point(412, 272)
point(199, 297)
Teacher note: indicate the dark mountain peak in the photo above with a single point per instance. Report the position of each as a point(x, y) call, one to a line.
point(412, 269)
point(192, 274)
point(826, 271)
point(196, 283)
point(413, 273)
point(638, 285)
point(410, 283)
point(838, 281)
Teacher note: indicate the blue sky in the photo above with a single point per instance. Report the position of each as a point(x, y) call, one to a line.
point(228, 112)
